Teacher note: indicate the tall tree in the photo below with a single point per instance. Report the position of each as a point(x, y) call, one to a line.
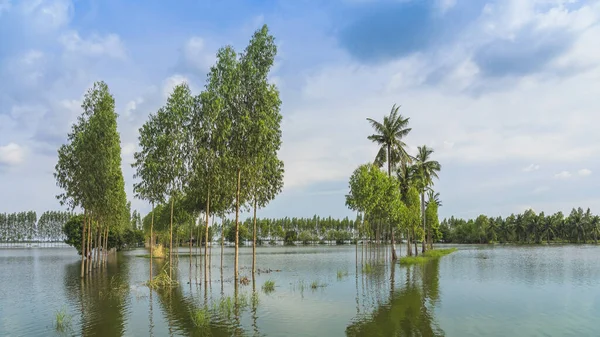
point(173, 121)
point(389, 135)
point(426, 170)
point(262, 104)
point(147, 169)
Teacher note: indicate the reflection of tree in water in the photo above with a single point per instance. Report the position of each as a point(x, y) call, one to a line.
point(179, 309)
point(102, 298)
point(408, 311)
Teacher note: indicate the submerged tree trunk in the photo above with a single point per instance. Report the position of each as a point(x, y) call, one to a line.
point(83, 246)
point(254, 241)
point(206, 235)
point(89, 246)
point(237, 226)
point(222, 244)
point(408, 243)
point(423, 218)
point(171, 241)
point(97, 247)
point(394, 257)
point(106, 245)
point(151, 240)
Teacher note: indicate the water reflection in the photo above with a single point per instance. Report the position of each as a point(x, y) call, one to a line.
point(103, 298)
point(406, 309)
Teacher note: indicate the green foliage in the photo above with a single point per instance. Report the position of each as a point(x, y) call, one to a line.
point(201, 320)
point(269, 286)
point(118, 239)
point(428, 256)
point(63, 320)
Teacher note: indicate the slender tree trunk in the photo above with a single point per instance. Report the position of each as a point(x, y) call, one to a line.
point(408, 248)
point(106, 245)
point(97, 247)
point(222, 244)
point(191, 236)
point(416, 245)
point(206, 234)
point(171, 241)
point(394, 257)
point(83, 246)
point(151, 241)
point(423, 218)
point(237, 226)
point(89, 246)
point(254, 240)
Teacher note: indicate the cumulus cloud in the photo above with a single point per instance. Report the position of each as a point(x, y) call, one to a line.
point(197, 55)
point(584, 172)
point(96, 45)
point(11, 154)
point(563, 175)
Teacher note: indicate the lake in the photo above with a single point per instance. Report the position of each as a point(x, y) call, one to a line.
point(476, 291)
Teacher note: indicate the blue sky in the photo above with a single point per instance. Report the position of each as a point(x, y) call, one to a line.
point(506, 92)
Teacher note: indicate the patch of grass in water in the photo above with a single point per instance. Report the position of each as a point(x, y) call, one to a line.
point(63, 320)
point(341, 274)
point(201, 319)
point(428, 256)
point(269, 286)
point(368, 269)
point(162, 280)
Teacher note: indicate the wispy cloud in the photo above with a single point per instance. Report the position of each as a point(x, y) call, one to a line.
point(584, 172)
point(563, 175)
point(530, 168)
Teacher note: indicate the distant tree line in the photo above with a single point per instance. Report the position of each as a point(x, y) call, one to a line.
point(578, 227)
point(25, 227)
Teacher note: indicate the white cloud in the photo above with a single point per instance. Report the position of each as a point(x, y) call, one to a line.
point(197, 55)
point(47, 14)
point(584, 172)
point(96, 45)
point(171, 82)
point(530, 168)
point(563, 175)
point(12, 154)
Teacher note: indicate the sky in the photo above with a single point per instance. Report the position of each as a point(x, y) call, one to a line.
point(505, 92)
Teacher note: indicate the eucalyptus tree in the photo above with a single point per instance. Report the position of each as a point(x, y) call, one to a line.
point(148, 170)
point(426, 170)
point(389, 135)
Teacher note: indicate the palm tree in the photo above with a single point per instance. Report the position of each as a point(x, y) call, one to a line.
point(427, 169)
point(388, 135)
point(433, 197)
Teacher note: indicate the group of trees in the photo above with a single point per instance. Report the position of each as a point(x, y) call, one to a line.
point(395, 202)
point(89, 173)
point(216, 152)
point(25, 227)
point(578, 227)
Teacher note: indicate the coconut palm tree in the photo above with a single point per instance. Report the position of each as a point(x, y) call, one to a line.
point(427, 169)
point(388, 135)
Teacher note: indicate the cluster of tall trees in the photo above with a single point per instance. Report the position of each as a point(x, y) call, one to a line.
point(528, 227)
point(24, 227)
point(395, 203)
point(89, 173)
point(215, 152)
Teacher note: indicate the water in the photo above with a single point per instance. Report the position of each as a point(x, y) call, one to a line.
point(476, 291)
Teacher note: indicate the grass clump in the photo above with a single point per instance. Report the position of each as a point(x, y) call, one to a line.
point(341, 274)
point(269, 286)
point(439, 252)
point(368, 269)
point(201, 318)
point(63, 320)
point(428, 256)
point(162, 280)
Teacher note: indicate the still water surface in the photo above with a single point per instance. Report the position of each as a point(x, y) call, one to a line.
point(476, 291)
